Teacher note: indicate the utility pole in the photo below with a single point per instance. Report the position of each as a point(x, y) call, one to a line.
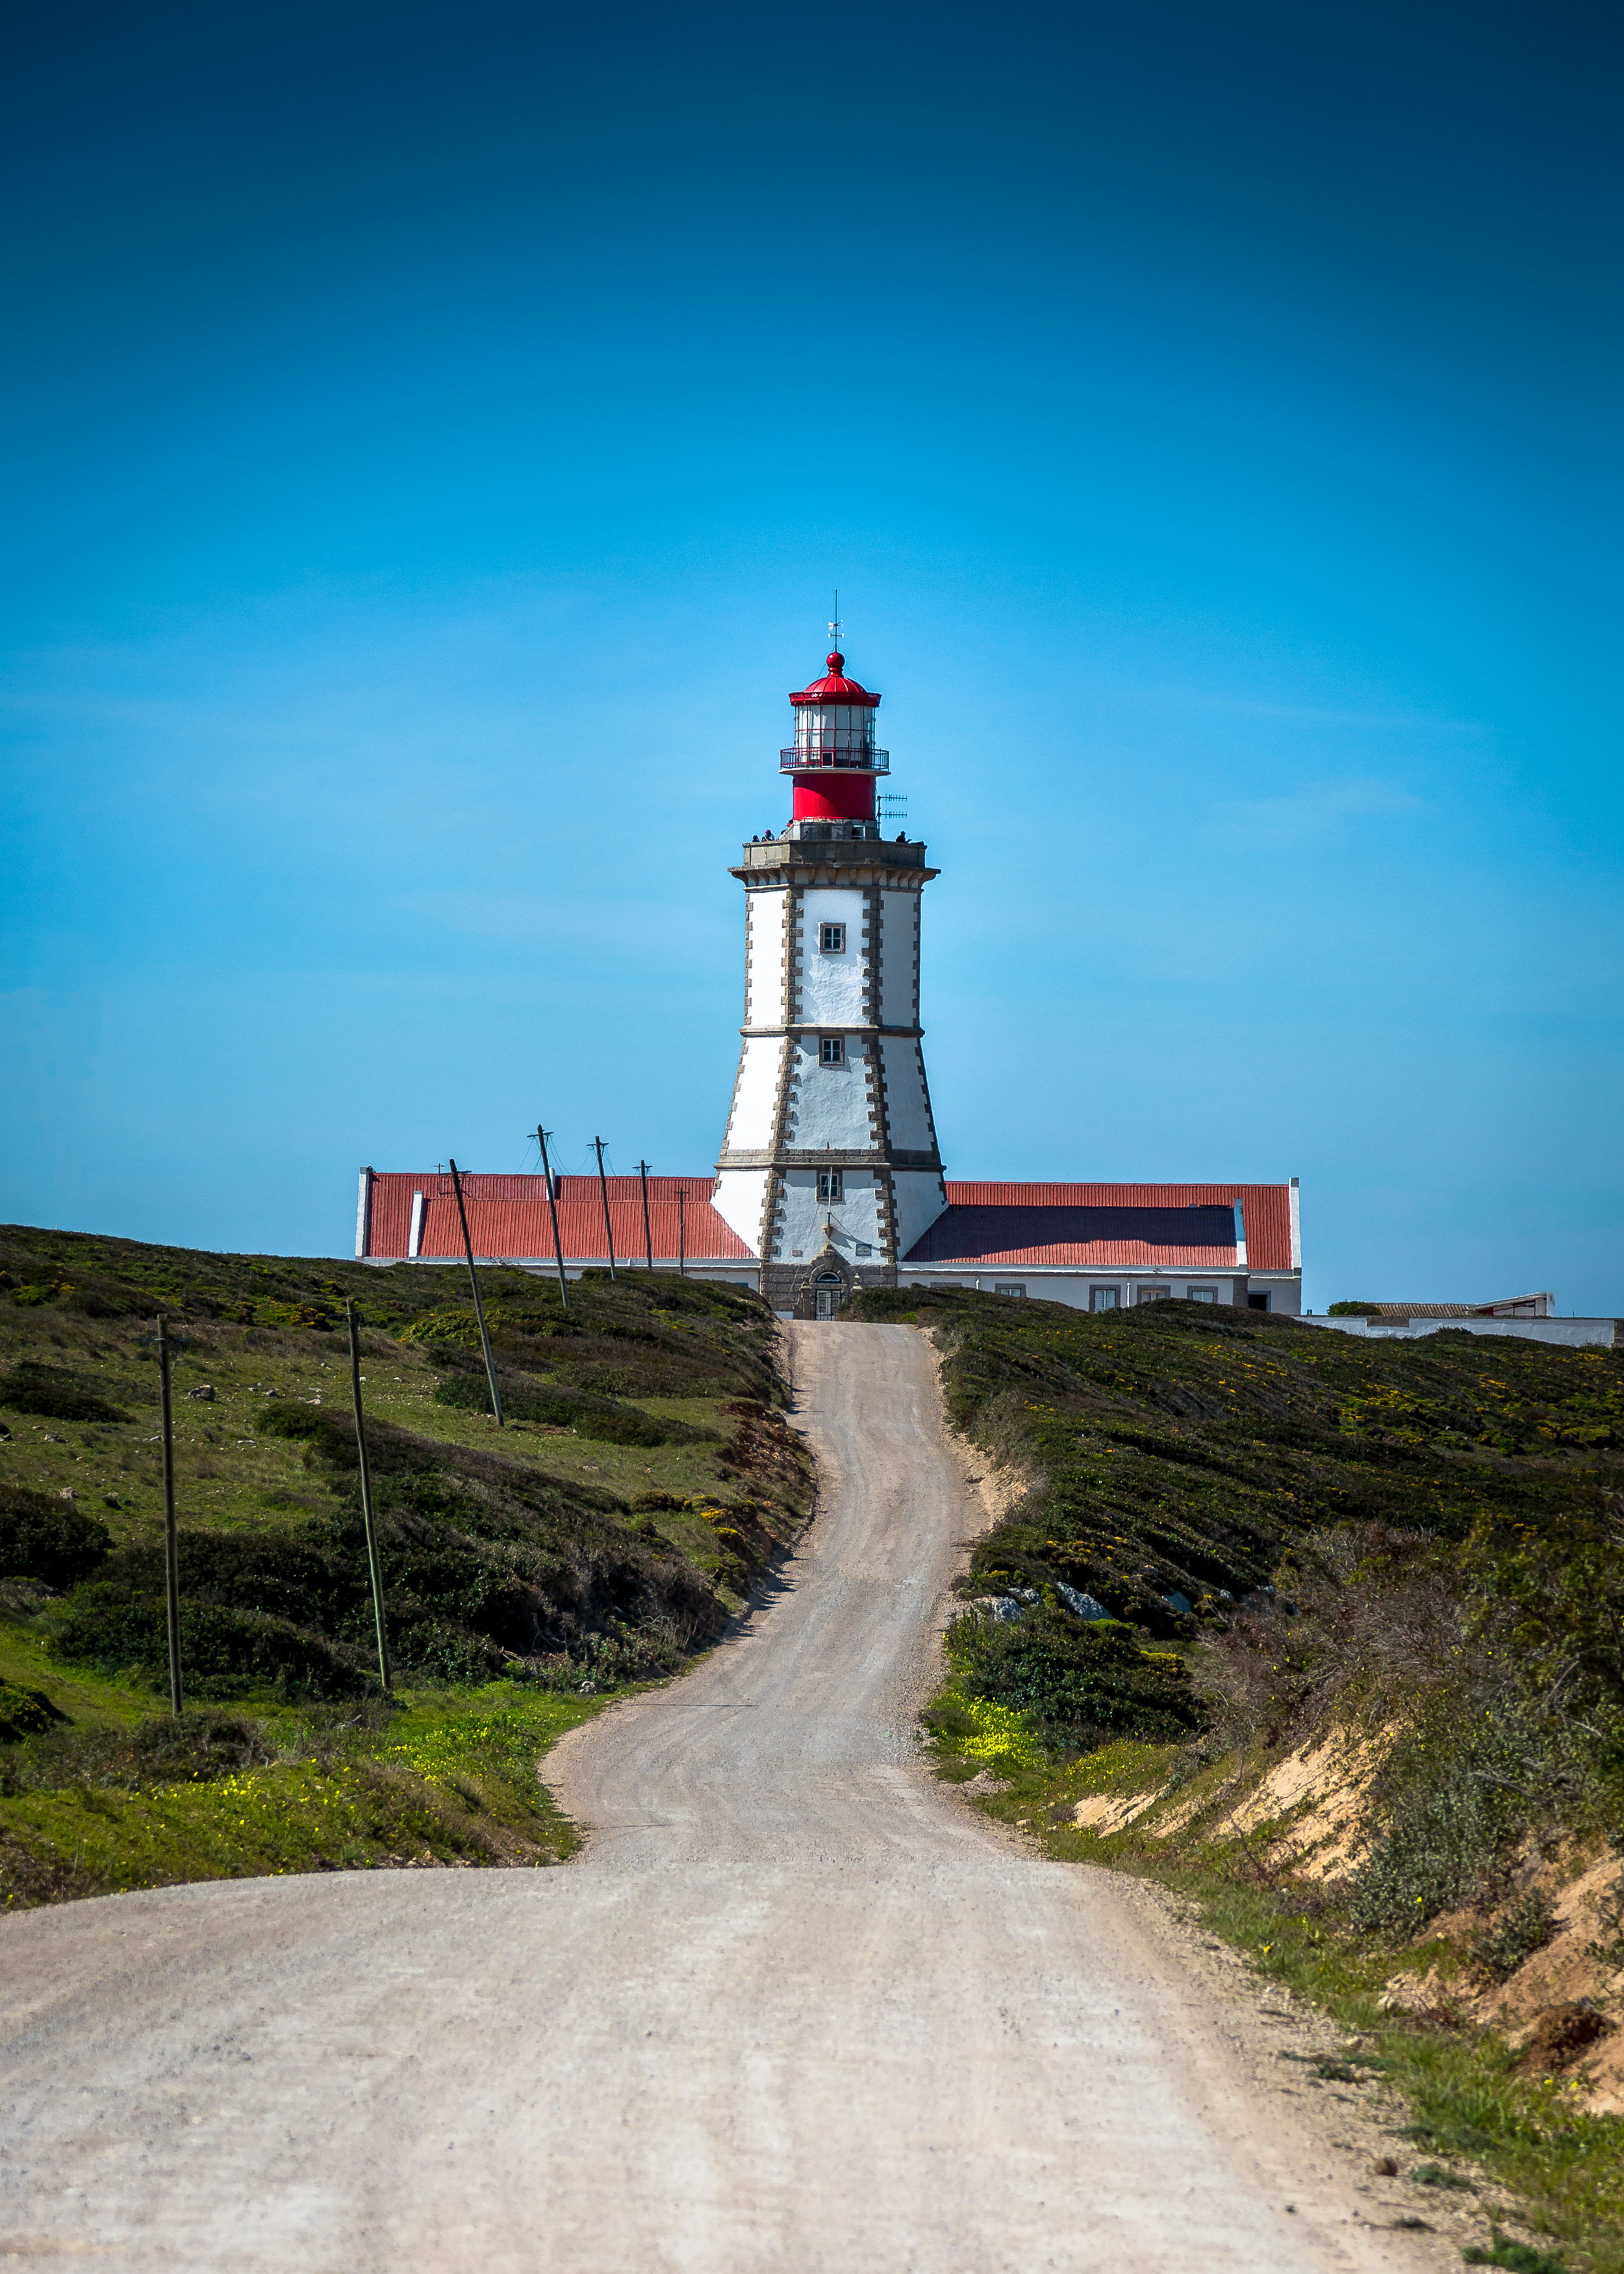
point(557, 1245)
point(171, 1543)
point(604, 1192)
point(373, 1564)
point(648, 1236)
point(473, 1281)
point(682, 1231)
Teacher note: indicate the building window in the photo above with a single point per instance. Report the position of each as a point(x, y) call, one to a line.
point(1258, 1302)
point(1153, 1294)
point(1203, 1294)
point(832, 1050)
point(828, 1184)
point(1104, 1299)
point(863, 1248)
point(832, 939)
point(1009, 1286)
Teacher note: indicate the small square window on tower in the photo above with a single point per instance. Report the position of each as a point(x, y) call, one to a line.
point(832, 939)
point(832, 1050)
point(828, 1184)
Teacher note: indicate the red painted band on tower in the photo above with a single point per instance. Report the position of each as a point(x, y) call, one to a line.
point(831, 796)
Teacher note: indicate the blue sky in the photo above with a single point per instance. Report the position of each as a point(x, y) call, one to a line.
point(432, 437)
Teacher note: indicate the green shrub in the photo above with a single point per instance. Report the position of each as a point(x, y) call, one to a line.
point(196, 1747)
point(1081, 1683)
point(47, 1540)
point(24, 1713)
point(453, 1324)
point(223, 1653)
point(1454, 1797)
point(1520, 2257)
point(332, 1435)
point(589, 1417)
point(1525, 1928)
point(1550, 1598)
point(49, 1392)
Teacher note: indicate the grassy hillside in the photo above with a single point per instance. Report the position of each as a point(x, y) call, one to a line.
point(644, 1479)
point(1328, 1633)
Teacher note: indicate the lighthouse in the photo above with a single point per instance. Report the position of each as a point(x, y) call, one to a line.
point(830, 1178)
point(829, 1170)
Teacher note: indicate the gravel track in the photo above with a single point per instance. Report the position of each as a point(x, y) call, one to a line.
point(796, 2008)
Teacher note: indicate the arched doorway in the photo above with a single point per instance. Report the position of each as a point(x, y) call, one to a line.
point(826, 1293)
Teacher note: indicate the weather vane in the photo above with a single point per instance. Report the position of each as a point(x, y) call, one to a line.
point(834, 624)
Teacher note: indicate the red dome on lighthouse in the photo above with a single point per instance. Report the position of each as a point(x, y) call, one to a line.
point(836, 687)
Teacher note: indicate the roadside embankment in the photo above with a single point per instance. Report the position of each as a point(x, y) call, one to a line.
point(644, 1482)
point(1325, 1636)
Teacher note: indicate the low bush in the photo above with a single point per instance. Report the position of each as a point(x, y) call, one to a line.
point(47, 1540)
point(482, 1561)
point(599, 1417)
point(1080, 1683)
point(26, 1713)
point(330, 1434)
point(225, 1653)
point(195, 1747)
point(50, 1391)
point(1454, 1797)
point(1516, 1935)
point(1520, 2257)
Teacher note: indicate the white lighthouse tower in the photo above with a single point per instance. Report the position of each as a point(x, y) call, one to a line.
point(830, 1169)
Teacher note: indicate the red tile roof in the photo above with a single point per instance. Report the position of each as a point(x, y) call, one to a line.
point(1108, 1227)
point(1102, 1227)
point(507, 1218)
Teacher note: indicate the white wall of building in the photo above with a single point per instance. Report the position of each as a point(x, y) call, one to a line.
point(764, 970)
point(756, 1100)
point(899, 959)
point(830, 1103)
point(921, 1199)
point(740, 1195)
point(1046, 1285)
point(907, 1114)
point(831, 986)
point(809, 1224)
point(1573, 1334)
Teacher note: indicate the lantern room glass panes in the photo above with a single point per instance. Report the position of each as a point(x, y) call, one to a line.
point(836, 734)
point(835, 730)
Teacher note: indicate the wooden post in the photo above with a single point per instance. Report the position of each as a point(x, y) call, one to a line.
point(373, 1564)
point(603, 1188)
point(648, 1236)
point(171, 1543)
point(473, 1281)
point(682, 1231)
point(557, 1245)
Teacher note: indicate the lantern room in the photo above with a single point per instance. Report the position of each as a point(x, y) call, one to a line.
point(833, 763)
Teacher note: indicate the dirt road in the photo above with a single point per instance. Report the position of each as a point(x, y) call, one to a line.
point(795, 2009)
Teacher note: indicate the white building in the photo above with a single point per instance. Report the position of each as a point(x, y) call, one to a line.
point(830, 1176)
point(830, 1169)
